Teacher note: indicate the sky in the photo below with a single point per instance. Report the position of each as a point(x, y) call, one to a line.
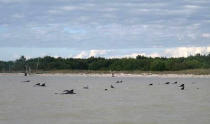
point(106, 28)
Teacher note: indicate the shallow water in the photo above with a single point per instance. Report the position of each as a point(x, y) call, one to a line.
point(132, 102)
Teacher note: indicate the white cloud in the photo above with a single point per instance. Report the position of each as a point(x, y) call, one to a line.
point(133, 55)
point(18, 15)
point(56, 56)
point(69, 8)
point(186, 51)
point(105, 25)
point(154, 55)
point(75, 7)
point(11, 1)
point(82, 54)
point(206, 35)
point(191, 6)
point(172, 52)
point(54, 11)
point(16, 56)
point(95, 53)
point(108, 9)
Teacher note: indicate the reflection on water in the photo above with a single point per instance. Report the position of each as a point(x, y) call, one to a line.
point(133, 101)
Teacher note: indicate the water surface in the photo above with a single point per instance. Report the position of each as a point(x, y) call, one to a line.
point(132, 102)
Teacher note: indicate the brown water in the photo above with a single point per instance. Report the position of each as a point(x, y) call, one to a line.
point(132, 102)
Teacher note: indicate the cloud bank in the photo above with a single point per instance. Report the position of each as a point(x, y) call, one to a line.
point(15, 53)
point(120, 27)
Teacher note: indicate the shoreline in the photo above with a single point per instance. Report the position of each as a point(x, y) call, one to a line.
point(136, 72)
point(185, 73)
point(128, 75)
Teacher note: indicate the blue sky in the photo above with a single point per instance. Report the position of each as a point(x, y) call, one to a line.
point(119, 28)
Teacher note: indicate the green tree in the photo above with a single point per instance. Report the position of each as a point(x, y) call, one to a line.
point(158, 65)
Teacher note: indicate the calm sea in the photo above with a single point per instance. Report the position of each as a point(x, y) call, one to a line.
point(131, 102)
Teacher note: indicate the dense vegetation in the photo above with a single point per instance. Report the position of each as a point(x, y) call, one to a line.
point(124, 64)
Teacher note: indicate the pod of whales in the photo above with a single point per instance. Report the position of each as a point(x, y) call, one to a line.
point(167, 83)
point(86, 87)
point(68, 92)
point(111, 86)
point(27, 81)
point(175, 82)
point(182, 86)
point(119, 81)
point(41, 85)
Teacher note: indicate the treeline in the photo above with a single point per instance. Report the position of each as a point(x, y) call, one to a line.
point(116, 64)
